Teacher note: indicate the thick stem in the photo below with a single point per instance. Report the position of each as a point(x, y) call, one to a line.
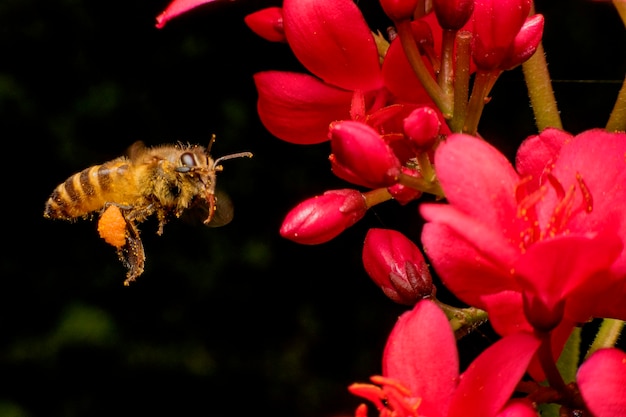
point(617, 120)
point(607, 335)
point(421, 184)
point(463, 320)
point(540, 91)
point(549, 365)
point(377, 196)
point(461, 80)
point(446, 75)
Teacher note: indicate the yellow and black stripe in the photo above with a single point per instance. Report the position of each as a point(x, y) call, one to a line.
point(90, 190)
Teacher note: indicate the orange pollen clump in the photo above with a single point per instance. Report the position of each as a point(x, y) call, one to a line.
point(563, 210)
point(112, 227)
point(391, 398)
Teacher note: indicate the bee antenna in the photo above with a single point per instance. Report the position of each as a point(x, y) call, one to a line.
point(232, 156)
point(211, 142)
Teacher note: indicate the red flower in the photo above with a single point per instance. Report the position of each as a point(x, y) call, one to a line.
point(333, 41)
point(397, 266)
point(546, 241)
point(421, 370)
point(602, 383)
point(320, 219)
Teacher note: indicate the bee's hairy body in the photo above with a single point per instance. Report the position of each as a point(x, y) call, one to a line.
point(151, 180)
point(164, 180)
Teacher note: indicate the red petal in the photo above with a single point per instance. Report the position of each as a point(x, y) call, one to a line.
point(486, 240)
point(598, 156)
point(538, 152)
point(602, 383)
point(489, 381)
point(400, 78)
point(333, 41)
point(479, 181)
point(506, 312)
point(519, 407)
point(267, 23)
point(298, 108)
point(526, 42)
point(551, 269)
point(421, 353)
point(462, 268)
point(178, 7)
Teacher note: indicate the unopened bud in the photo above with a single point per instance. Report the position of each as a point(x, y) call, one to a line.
point(322, 218)
point(397, 266)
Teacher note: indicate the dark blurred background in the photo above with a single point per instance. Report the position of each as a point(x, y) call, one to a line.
point(228, 321)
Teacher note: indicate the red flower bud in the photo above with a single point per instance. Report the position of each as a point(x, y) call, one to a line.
point(453, 14)
point(399, 9)
point(267, 23)
point(526, 42)
point(397, 266)
point(422, 126)
point(496, 24)
point(403, 194)
point(321, 218)
point(361, 156)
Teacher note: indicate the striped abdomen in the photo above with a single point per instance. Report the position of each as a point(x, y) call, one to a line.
point(90, 189)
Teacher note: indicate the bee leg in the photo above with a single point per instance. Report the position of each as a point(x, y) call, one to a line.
point(162, 217)
point(132, 254)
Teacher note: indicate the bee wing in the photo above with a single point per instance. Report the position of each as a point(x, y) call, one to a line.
point(199, 211)
point(135, 150)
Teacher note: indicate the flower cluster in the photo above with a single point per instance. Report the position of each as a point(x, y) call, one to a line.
point(537, 247)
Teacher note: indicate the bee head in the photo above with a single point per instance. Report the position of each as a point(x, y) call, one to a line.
point(199, 162)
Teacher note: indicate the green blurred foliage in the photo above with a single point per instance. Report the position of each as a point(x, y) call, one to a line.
point(226, 321)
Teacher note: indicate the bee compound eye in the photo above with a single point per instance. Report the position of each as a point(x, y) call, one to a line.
point(187, 160)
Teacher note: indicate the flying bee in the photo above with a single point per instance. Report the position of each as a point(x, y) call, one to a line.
point(166, 180)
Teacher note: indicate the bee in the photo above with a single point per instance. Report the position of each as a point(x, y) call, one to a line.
point(165, 181)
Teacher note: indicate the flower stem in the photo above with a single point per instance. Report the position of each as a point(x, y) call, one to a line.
point(549, 365)
point(540, 91)
point(617, 120)
point(415, 59)
point(461, 80)
point(463, 320)
point(483, 83)
point(607, 335)
point(420, 184)
point(446, 74)
point(377, 196)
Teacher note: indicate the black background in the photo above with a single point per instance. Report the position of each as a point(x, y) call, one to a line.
point(225, 321)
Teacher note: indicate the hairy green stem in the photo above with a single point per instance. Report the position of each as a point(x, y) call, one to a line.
point(540, 91)
point(617, 119)
point(461, 81)
point(607, 335)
